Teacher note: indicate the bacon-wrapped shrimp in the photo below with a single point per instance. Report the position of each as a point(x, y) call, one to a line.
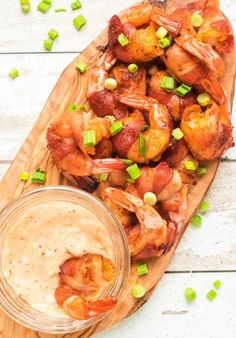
point(81, 281)
point(207, 133)
point(149, 237)
point(175, 104)
point(157, 137)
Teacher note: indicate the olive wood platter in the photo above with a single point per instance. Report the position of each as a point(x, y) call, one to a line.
point(70, 88)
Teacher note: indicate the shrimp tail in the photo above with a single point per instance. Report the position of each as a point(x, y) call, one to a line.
point(107, 165)
point(171, 236)
point(162, 19)
point(211, 85)
point(124, 199)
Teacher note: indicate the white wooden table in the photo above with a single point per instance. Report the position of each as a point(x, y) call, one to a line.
point(204, 254)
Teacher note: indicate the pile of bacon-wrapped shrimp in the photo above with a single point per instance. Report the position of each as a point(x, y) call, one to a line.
point(158, 113)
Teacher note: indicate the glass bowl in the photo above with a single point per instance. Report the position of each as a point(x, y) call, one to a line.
point(16, 307)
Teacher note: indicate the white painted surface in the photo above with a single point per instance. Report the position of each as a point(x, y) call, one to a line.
point(210, 248)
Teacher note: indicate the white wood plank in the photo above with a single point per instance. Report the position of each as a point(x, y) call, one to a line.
point(21, 32)
point(22, 99)
point(167, 314)
point(3, 170)
point(213, 246)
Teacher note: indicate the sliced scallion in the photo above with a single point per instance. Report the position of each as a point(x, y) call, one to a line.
point(76, 5)
point(190, 165)
point(202, 170)
point(123, 40)
point(167, 83)
point(150, 198)
point(132, 68)
point(58, 10)
point(103, 177)
point(211, 295)
point(133, 171)
point(217, 284)
point(196, 20)
point(196, 221)
point(79, 21)
point(190, 294)
point(204, 206)
point(24, 176)
point(48, 43)
point(53, 34)
point(110, 83)
point(142, 269)
point(161, 32)
point(138, 291)
point(116, 127)
point(43, 7)
point(182, 90)
point(82, 67)
point(14, 73)
point(142, 146)
point(89, 138)
point(177, 134)
point(39, 176)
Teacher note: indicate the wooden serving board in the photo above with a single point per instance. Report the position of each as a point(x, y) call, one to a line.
point(71, 88)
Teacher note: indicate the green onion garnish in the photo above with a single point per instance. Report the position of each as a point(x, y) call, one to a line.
point(132, 68)
point(142, 146)
point(190, 165)
point(144, 128)
point(110, 83)
point(48, 43)
point(127, 162)
point(39, 176)
point(103, 177)
point(89, 138)
point(203, 99)
point(24, 176)
point(177, 134)
point(211, 295)
point(116, 127)
point(196, 20)
point(138, 291)
point(72, 106)
point(53, 34)
point(196, 221)
point(204, 206)
point(190, 294)
point(58, 10)
point(217, 284)
point(43, 7)
point(130, 180)
point(150, 198)
point(167, 83)
point(14, 73)
point(201, 170)
point(161, 32)
point(182, 90)
point(165, 42)
point(110, 118)
point(25, 5)
point(48, 2)
point(76, 5)
point(79, 22)
point(123, 41)
point(142, 269)
point(82, 67)
point(133, 171)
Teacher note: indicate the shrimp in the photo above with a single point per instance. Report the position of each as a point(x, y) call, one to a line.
point(157, 137)
point(175, 104)
point(103, 102)
point(190, 70)
point(82, 279)
point(207, 133)
point(149, 237)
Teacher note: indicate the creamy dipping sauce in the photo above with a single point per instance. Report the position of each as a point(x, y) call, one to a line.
point(41, 240)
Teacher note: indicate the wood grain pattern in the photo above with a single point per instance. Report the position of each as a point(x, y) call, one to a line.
point(70, 88)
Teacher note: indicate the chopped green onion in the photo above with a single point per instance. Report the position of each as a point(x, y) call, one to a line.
point(89, 138)
point(79, 22)
point(82, 67)
point(24, 176)
point(138, 291)
point(204, 206)
point(190, 165)
point(142, 269)
point(43, 7)
point(177, 134)
point(130, 180)
point(25, 5)
point(14, 73)
point(217, 284)
point(204, 99)
point(53, 34)
point(161, 32)
point(133, 171)
point(58, 10)
point(116, 127)
point(211, 295)
point(72, 106)
point(110, 118)
point(127, 162)
point(48, 2)
point(123, 41)
point(103, 177)
point(76, 5)
point(142, 146)
point(144, 128)
point(182, 90)
point(165, 42)
point(196, 20)
point(38, 176)
point(132, 68)
point(201, 170)
point(110, 83)
point(167, 83)
point(150, 198)
point(190, 294)
point(48, 43)
point(196, 221)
